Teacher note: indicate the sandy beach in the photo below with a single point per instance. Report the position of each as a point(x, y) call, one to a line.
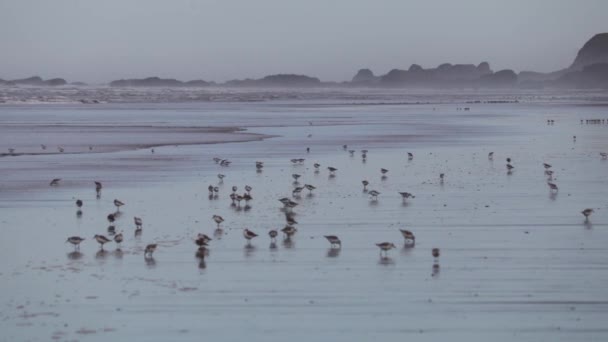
point(518, 261)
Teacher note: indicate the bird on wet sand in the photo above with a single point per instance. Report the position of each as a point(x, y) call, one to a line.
point(317, 166)
point(385, 247)
point(289, 231)
point(604, 155)
point(150, 250)
point(55, 182)
point(332, 170)
point(410, 156)
point(365, 184)
point(118, 239)
point(79, 203)
point(218, 219)
point(248, 189)
point(98, 187)
point(202, 240)
point(435, 252)
point(491, 155)
point(75, 240)
point(118, 204)
point(334, 241)
point(587, 212)
point(138, 222)
point(221, 177)
point(374, 195)
point(547, 166)
point(406, 195)
point(552, 186)
point(273, 234)
point(101, 240)
point(310, 187)
point(408, 236)
point(295, 176)
point(248, 234)
point(383, 171)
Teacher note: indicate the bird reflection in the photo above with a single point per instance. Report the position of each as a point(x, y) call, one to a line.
point(218, 233)
point(333, 252)
point(101, 254)
point(117, 253)
point(385, 260)
point(202, 264)
point(75, 255)
point(588, 224)
point(273, 246)
point(150, 262)
point(288, 243)
point(138, 233)
point(249, 249)
point(552, 195)
point(79, 213)
point(435, 270)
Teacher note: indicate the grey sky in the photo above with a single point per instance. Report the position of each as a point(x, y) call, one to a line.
point(97, 41)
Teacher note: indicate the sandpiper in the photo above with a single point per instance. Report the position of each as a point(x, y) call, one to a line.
point(284, 200)
point(210, 188)
point(234, 189)
point(218, 219)
point(290, 220)
point(587, 212)
point(216, 190)
point(118, 204)
point(291, 204)
point(111, 218)
point(406, 195)
point(552, 186)
point(410, 156)
point(435, 252)
point(273, 234)
point(385, 247)
point(43, 146)
point(295, 176)
point(289, 231)
point(408, 236)
point(75, 240)
point(225, 162)
point(221, 177)
point(296, 191)
point(441, 176)
point(118, 238)
point(334, 241)
point(491, 155)
point(384, 171)
point(202, 240)
point(259, 166)
point(374, 194)
point(604, 155)
point(60, 149)
point(365, 184)
point(101, 239)
point(149, 250)
point(344, 147)
point(217, 159)
point(310, 187)
point(510, 167)
point(248, 189)
point(317, 166)
point(98, 187)
point(248, 234)
point(332, 170)
point(79, 203)
point(138, 222)
point(55, 182)
point(547, 166)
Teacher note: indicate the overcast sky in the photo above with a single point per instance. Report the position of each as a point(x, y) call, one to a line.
point(98, 41)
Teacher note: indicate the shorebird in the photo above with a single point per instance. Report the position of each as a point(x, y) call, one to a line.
point(435, 252)
point(101, 239)
point(248, 189)
point(293, 161)
point(297, 190)
point(284, 200)
point(202, 240)
point(317, 166)
point(234, 189)
point(491, 155)
point(552, 186)
point(43, 146)
point(352, 152)
point(118, 238)
point(441, 175)
point(138, 222)
point(221, 177)
point(55, 182)
point(290, 220)
point(365, 184)
point(218, 219)
point(508, 159)
point(406, 195)
point(75, 240)
point(385, 247)
point(547, 166)
point(217, 159)
point(273, 234)
point(587, 212)
point(384, 171)
point(225, 162)
point(248, 234)
point(332, 170)
point(309, 187)
point(149, 250)
point(408, 236)
point(364, 151)
point(410, 156)
point(98, 187)
point(510, 167)
point(364, 156)
point(216, 190)
point(79, 203)
point(604, 155)
point(301, 160)
point(210, 188)
point(334, 241)
point(11, 150)
point(60, 149)
point(259, 165)
point(296, 176)
point(118, 204)
point(111, 218)
point(90, 148)
point(344, 147)
point(289, 231)
point(374, 194)
point(549, 173)
point(291, 204)
point(239, 198)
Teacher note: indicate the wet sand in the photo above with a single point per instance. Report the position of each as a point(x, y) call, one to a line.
point(518, 262)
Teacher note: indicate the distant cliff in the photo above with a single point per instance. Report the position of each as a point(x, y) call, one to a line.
point(280, 80)
point(35, 81)
point(594, 51)
point(157, 82)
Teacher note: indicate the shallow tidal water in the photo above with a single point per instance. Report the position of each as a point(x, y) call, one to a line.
point(518, 262)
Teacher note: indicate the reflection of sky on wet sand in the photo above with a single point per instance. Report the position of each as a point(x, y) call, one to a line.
point(514, 255)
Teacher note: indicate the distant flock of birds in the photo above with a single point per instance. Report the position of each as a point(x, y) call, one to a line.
point(202, 240)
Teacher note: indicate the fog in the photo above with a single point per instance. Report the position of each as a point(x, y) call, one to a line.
point(98, 41)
